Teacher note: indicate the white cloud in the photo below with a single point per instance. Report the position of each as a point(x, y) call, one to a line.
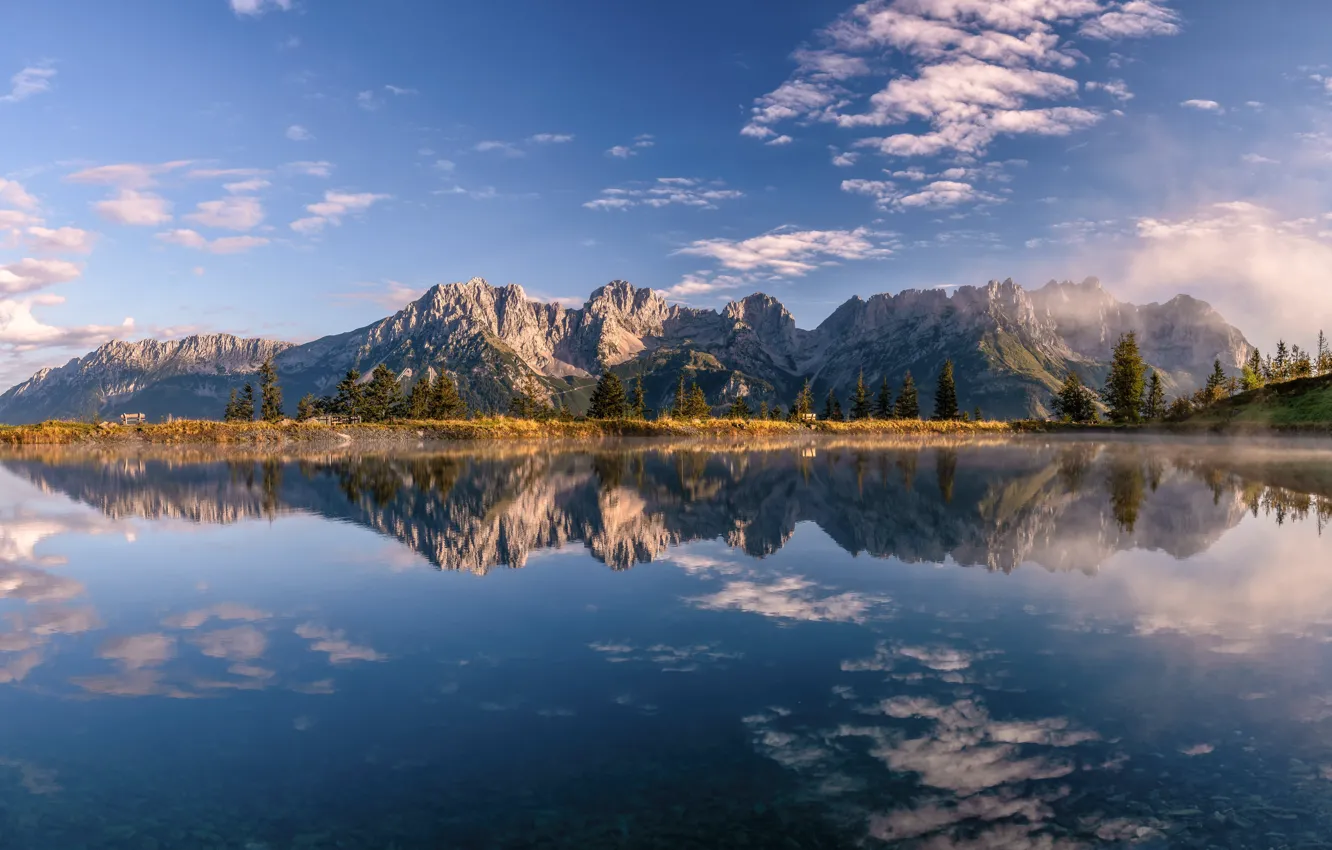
point(238, 212)
point(126, 175)
point(789, 252)
point(444, 165)
point(61, 240)
point(550, 138)
point(399, 91)
point(297, 133)
point(792, 598)
point(32, 80)
point(940, 193)
point(665, 192)
point(621, 152)
point(332, 209)
point(391, 295)
point(978, 66)
point(13, 193)
point(843, 159)
point(29, 274)
point(502, 148)
point(226, 245)
point(641, 141)
point(1259, 159)
point(779, 140)
point(1117, 89)
point(135, 208)
point(242, 186)
point(1202, 105)
point(367, 101)
point(20, 330)
point(254, 8)
point(320, 168)
point(213, 173)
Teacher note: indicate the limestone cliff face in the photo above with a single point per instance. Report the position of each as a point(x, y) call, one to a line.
point(1011, 349)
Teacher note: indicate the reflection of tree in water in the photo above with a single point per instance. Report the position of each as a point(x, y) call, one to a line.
point(1282, 505)
point(1074, 463)
point(945, 466)
point(906, 464)
point(1128, 487)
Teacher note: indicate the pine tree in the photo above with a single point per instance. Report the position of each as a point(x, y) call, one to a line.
point(681, 400)
point(1215, 388)
point(608, 399)
point(1281, 363)
point(445, 402)
point(637, 401)
point(803, 404)
point(245, 407)
point(696, 404)
point(945, 396)
point(231, 414)
point(776, 413)
point(1251, 378)
point(860, 402)
point(762, 411)
point(1126, 382)
point(349, 400)
point(1323, 361)
point(976, 414)
point(883, 407)
point(270, 394)
point(307, 407)
point(908, 400)
point(1075, 402)
point(739, 409)
point(1154, 406)
point(382, 395)
point(418, 399)
point(832, 408)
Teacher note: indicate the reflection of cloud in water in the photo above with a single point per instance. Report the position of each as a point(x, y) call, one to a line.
point(17, 669)
point(337, 646)
point(132, 683)
point(243, 643)
point(36, 779)
point(136, 651)
point(696, 564)
point(675, 659)
point(37, 585)
point(227, 611)
point(792, 598)
point(941, 659)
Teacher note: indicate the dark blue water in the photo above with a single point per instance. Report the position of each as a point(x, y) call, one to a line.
point(1035, 646)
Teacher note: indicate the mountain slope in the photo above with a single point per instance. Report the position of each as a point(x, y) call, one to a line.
point(1011, 349)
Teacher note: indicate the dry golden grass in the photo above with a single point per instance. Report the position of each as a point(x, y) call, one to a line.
point(491, 428)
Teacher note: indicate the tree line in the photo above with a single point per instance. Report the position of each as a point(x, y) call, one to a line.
point(377, 400)
point(1133, 393)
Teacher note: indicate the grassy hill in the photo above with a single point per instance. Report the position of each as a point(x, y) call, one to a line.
point(1303, 403)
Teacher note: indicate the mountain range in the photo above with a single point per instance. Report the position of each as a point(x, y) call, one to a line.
point(1011, 348)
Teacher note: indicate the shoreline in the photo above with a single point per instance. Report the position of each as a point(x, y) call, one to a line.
point(503, 429)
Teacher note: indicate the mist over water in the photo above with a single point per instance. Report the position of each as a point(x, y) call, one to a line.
point(828, 643)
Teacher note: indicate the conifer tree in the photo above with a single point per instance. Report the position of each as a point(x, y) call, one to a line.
point(762, 411)
point(418, 399)
point(945, 396)
point(349, 400)
point(803, 404)
point(445, 402)
point(1074, 402)
point(860, 401)
point(637, 401)
point(608, 398)
point(307, 407)
point(1281, 363)
point(1323, 357)
point(739, 409)
point(1215, 388)
point(681, 400)
point(696, 404)
point(382, 396)
point(976, 414)
point(270, 394)
point(245, 407)
point(832, 408)
point(776, 413)
point(883, 407)
point(231, 413)
point(1252, 376)
point(1154, 406)
point(908, 400)
point(1127, 381)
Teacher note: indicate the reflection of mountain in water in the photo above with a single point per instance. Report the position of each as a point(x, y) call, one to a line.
point(1066, 507)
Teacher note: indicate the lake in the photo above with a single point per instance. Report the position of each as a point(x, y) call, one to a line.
point(1032, 644)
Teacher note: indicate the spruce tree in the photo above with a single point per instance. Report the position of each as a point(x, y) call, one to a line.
point(1281, 362)
point(883, 407)
point(803, 404)
point(418, 399)
point(270, 394)
point(739, 409)
point(832, 408)
point(382, 395)
point(908, 400)
point(637, 401)
point(762, 411)
point(681, 400)
point(976, 414)
point(1074, 402)
point(696, 404)
point(860, 401)
point(608, 398)
point(1252, 376)
point(945, 396)
point(231, 413)
point(776, 413)
point(348, 401)
point(1323, 363)
point(445, 402)
point(1154, 406)
point(1215, 388)
point(1127, 381)
point(245, 407)
point(307, 407)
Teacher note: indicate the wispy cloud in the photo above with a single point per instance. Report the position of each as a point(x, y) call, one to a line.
point(254, 8)
point(226, 245)
point(550, 138)
point(333, 208)
point(238, 212)
point(29, 274)
point(33, 80)
point(503, 148)
point(126, 175)
point(789, 252)
point(389, 295)
point(297, 133)
point(665, 192)
point(61, 240)
point(399, 91)
point(134, 208)
point(1202, 105)
point(320, 168)
point(645, 140)
point(940, 193)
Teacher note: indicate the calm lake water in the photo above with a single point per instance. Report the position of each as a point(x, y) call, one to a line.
point(1034, 645)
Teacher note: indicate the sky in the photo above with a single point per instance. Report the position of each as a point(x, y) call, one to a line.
point(295, 168)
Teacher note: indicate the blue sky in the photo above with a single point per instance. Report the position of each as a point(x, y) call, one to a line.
point(292, 168)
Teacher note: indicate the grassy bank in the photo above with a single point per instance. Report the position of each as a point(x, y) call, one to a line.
point(496, 428)
point(1303, 405)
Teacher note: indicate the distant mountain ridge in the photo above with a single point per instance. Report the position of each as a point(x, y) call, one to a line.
point(1011, 348)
